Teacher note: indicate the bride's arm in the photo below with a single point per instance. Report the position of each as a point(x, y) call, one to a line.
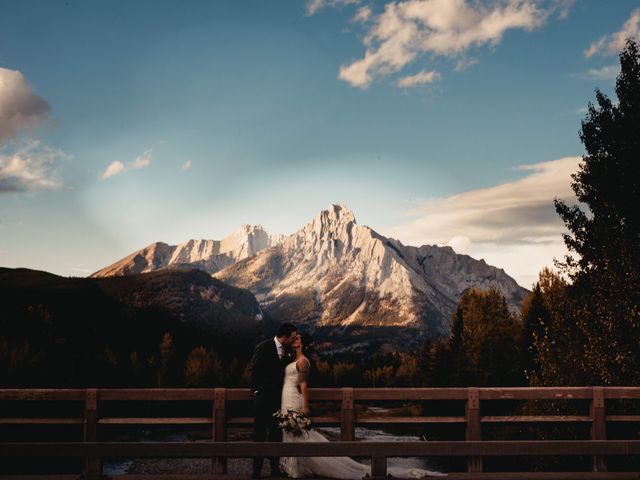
point(304, 367)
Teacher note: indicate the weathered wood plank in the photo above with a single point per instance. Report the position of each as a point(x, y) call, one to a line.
point(599, 425)
point(535, 418)
point(622, 418)
point(41, 477)
point(219, 465)
point(542, 476)
point(154, 394)
point(92, 462)
point(473, 430)
point(534, 393)
point(155, 421)
point(42, 394)
point(322, 449)
point(347, 416)
point(370, 420)
point(410, 393)
point(622, 392)
point(451, 476)
point(248, 421)
point(42, 421)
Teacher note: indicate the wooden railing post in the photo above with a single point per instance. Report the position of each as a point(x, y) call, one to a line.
point(378, 467)
point(219, 427)
point(473, 426)
point(347, 421)
point(598, 426)
point(92, 469)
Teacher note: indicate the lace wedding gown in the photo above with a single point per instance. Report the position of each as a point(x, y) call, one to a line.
point(328, 467)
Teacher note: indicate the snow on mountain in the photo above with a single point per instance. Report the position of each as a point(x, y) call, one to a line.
point(334, 272)
point(208, 255)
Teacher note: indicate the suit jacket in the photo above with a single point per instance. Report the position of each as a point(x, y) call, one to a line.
point(267, 371)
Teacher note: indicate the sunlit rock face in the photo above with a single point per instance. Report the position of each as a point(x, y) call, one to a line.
point(207, 255)
point(334, 272)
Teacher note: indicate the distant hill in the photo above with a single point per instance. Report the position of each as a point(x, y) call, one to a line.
point(84, 331)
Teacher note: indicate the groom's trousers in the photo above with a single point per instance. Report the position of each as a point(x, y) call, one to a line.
point(266, 427)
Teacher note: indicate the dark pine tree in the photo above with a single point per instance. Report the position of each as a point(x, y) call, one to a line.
point(604, 230)
point(535, 317)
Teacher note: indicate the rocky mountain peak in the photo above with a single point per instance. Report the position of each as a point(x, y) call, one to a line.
point(335, 219)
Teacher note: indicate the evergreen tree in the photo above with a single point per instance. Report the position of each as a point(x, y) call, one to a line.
point(604, 231)
point(535, 317)
point(167, 355)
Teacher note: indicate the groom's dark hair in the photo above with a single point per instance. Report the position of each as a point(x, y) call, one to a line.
point(286, 329)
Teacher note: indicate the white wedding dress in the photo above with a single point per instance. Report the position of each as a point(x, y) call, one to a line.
point(327, 467)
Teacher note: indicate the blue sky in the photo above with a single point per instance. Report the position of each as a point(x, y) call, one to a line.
point(208, 115)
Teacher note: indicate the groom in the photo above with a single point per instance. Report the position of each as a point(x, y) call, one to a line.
point(270, 357)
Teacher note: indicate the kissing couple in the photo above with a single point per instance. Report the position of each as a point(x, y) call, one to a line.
point(279, 381)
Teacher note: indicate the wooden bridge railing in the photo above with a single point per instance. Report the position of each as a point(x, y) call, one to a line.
point(220, 419)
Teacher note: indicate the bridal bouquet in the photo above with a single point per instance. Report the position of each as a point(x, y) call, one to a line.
point(293, 422)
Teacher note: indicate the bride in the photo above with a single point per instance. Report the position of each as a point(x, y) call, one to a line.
point(296, 398)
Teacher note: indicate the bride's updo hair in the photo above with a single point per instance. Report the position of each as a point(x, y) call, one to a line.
point(306, 340)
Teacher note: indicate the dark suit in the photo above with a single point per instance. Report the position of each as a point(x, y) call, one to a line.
point(267, 378)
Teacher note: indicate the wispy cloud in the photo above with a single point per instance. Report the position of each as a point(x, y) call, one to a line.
point(612, 44)
point(30, 166)
point(363, 14)
point(512, 224)
point(464, 63)
point(606, 73)
point(186, 165)
point(20, 107)
point(419, 78)
point(408, 28)
point(142, 161)
point(117, 167)
point(114, 168)
point(314, 5)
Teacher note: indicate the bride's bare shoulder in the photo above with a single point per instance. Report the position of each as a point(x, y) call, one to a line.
point(303, 363)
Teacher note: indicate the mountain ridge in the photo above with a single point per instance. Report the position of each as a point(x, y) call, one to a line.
point(208, 255)
point(333, 271)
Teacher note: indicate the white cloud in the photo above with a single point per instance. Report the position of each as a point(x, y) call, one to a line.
point(20, 107)
point(363, 14)
point(30, 167)
point(419, 78)
point(408, 28)
point(114, 168)
point(142, 161)
point(614, 43)
point(314, 5)
point(186, 165)
point(117, 167)
point(513, 225)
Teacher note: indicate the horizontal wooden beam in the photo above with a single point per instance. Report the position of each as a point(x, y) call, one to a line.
point(622, 418)
point(41, 421)
point(48, 394)
point(321, 394)
point(322, 449)
point(407, 420)
point(535, 418)
point(450, 476)
point(535, 393)
point(156, 421)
